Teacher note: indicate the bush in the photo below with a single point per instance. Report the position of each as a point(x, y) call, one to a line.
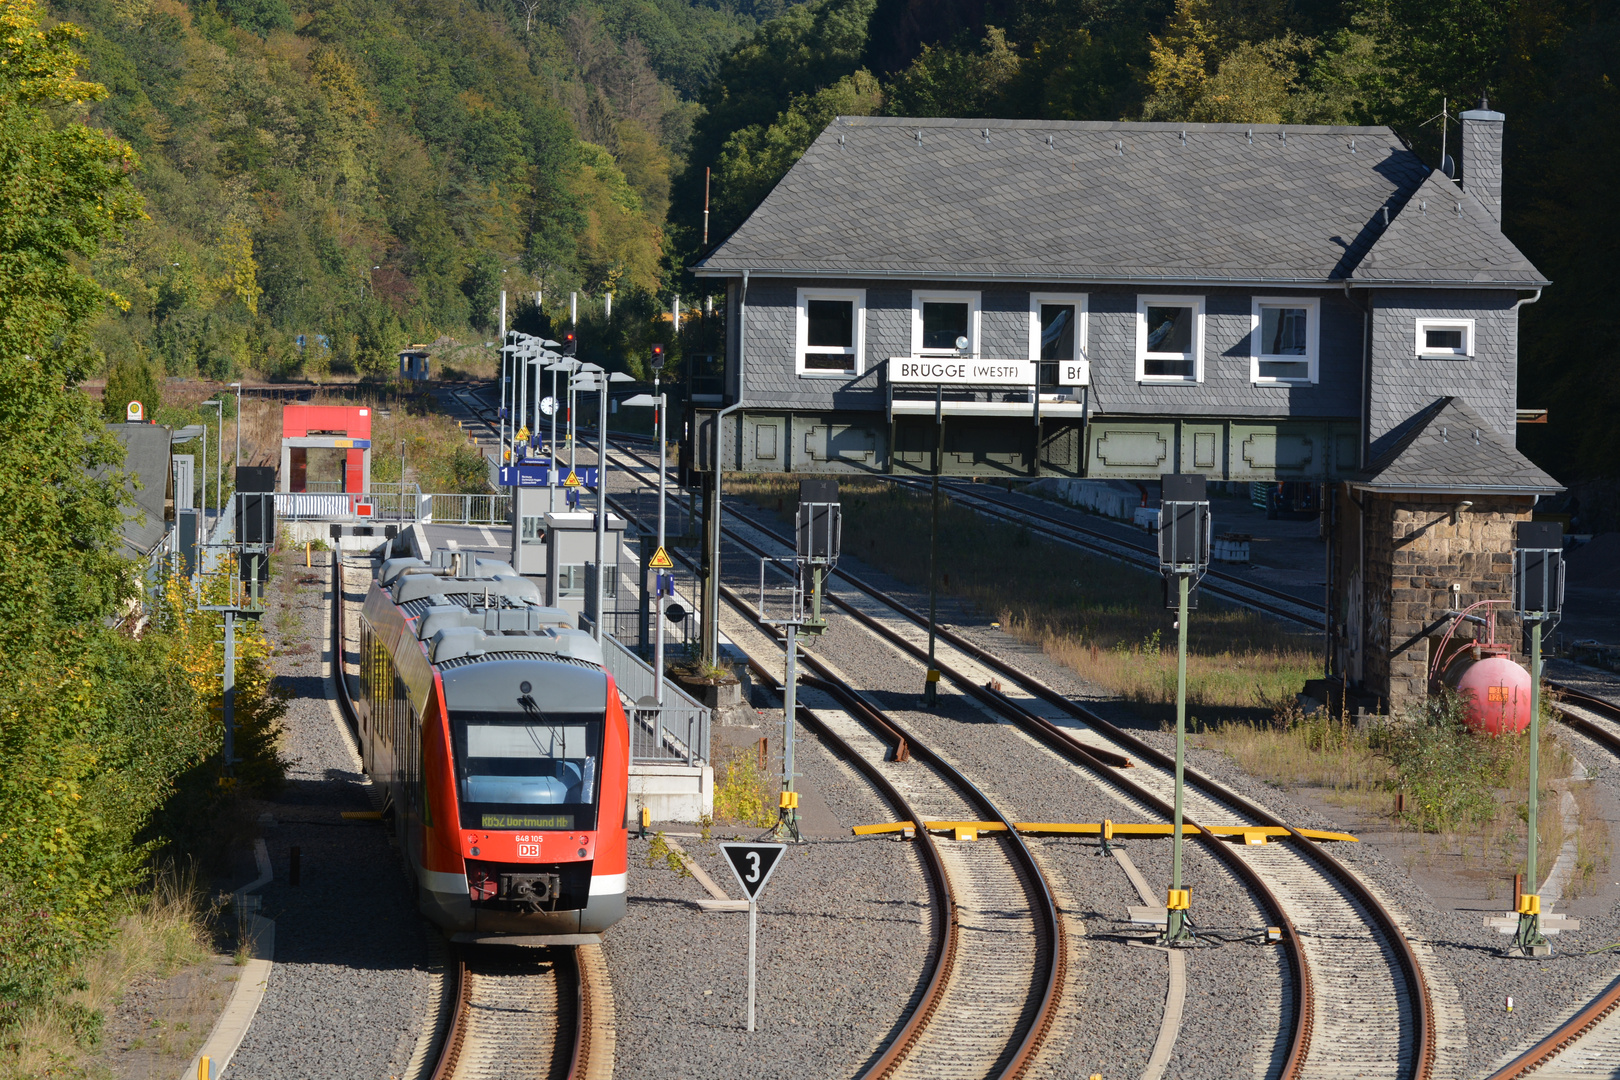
point(1448, 771)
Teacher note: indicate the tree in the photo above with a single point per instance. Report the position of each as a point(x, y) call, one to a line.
point(130, 380)
point(949, 82)
point(64, 191)
point(755, 158)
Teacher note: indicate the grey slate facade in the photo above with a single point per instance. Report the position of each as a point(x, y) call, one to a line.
point(1345, 219)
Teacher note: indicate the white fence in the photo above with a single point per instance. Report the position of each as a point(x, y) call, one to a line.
point(387, 504)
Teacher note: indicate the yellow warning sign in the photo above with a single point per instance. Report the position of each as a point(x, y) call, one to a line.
point(660, 561)
point(572, 481)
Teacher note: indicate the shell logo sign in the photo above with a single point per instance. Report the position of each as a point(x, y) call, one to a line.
point(135, 412)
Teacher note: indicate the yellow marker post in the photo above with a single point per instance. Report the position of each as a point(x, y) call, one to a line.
point(306, 554)
point(205, 1069)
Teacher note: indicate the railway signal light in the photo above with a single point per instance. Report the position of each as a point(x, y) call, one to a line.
point(570, 344)
point(1184, 535)
point(658, 356)
point(1538, 597)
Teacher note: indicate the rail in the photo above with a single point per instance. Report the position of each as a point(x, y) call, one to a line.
point(1405, 960)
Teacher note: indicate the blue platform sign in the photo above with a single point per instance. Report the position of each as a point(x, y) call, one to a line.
point(531, 474)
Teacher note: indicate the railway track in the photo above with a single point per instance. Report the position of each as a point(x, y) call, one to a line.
point(1587, 1045)
point(993, 986)
point(1336, 928)
point(1276, 602)
point(535, 1012)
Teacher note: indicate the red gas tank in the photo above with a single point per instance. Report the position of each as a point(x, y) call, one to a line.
point(1498, 693)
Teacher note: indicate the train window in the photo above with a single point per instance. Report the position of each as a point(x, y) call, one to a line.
point(527, 771)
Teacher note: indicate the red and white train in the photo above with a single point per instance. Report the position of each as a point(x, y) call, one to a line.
point(501, 747)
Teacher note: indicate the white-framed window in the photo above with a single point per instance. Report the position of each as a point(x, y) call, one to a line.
point(1285, 340)
point(939, 320)
point(1057, 339)
point(1448, 338)
point(1170, 339)
point(831, 337)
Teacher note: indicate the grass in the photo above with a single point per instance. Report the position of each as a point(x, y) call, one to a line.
point(1466, 796)
point(1105, 620)
point(162, 934)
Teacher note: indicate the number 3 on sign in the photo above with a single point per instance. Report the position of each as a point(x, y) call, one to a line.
point(753, 868)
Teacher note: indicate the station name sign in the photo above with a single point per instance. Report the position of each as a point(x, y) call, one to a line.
point(964, 371)
point(967, 371)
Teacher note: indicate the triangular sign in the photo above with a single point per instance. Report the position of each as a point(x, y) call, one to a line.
point(572, 481)
point(753, 864)
point(660, 560)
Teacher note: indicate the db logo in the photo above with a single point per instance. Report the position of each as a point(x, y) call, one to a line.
point(528, 851)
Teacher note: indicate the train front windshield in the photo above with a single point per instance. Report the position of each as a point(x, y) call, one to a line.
point(528, 770)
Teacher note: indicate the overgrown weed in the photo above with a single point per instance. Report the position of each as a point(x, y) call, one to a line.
point(159, 935)
point(742, 793)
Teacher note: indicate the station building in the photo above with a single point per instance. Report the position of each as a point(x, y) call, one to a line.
point(1255, 303)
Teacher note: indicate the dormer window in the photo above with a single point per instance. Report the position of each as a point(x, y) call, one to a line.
point(1170, 339)
point(832, 329)
point(1445, 338)
point(1284, 336)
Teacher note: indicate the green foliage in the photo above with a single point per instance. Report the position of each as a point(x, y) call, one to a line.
point(130, 380)
point(957, 82)
point(1448, 772)
point(755, 158)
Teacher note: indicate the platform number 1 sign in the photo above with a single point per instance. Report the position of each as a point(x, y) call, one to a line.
point(753, 864)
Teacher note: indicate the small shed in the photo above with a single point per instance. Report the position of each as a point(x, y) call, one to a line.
point(413, 363)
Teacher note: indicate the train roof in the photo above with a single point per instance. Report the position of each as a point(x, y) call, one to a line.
point(408, 587)
point(494, 683)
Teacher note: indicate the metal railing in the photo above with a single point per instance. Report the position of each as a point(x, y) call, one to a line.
point(303, 505)
point(677, 734)
point(466, 509)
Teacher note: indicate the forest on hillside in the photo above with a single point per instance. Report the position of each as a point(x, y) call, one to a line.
point(354, 174)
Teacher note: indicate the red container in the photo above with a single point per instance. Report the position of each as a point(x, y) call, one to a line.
point(1497, 691)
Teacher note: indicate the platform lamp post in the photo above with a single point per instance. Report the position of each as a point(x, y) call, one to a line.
point(237, 460)
point(655, 401)
point(219, 458)
point(568, 364)
point(1184, 541)
point(593, 377)
point(1538, 598)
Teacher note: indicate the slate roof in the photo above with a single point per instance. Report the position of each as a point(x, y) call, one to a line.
point(1445, 236)
point(147, 459)
point(1070, 200)
point(1448, 448)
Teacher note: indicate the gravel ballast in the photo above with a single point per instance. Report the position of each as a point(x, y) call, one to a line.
point(349, 990)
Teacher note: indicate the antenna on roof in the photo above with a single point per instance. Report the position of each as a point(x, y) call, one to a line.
point(1050, 145)
point(1423, 206)
point(1447, 165)
point(987, 136)
point(1284, 134)
point(1183, 136)
point(1459, 208)
point(840, 139)
point(919, 136)
point(1251, 136)
point(1352, 146)
point(1119, 144)
point(1386, 215)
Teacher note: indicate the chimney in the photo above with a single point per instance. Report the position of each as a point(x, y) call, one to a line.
point(1482, 157)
